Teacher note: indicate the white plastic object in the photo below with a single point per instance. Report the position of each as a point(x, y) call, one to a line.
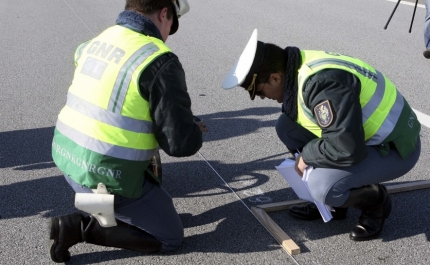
point(182, 7)
point(99, 204)
point(241, 68)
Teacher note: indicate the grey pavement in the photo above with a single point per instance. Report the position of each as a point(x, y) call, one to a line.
point(37, 41)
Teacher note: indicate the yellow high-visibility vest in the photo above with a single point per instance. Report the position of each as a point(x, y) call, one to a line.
point(104, 132)
point(380, 101)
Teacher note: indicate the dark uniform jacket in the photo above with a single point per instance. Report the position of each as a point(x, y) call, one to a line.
point(342, 143)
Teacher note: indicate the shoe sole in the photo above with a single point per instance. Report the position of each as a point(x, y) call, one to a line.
point(54, 230)
point(52, 241)
point(365, 238)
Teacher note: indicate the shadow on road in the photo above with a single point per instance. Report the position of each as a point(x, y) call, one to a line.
point(26, 149)
point(229, 124)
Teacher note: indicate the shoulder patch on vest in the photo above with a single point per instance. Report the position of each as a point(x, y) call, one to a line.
point(324, 114)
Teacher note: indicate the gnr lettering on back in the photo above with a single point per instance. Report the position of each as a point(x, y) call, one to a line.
point(106, 51)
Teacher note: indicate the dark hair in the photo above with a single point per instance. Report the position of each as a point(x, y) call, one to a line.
point(273, 62)
point(150, 6)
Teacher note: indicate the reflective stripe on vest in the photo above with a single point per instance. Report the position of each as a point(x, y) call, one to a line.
point(102, 147)
point(381, 110)
point(92, 111)
point(78, 52)
point(123, 80)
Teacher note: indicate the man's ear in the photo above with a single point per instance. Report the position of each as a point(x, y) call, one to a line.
point(162, 14)
point(276, 77)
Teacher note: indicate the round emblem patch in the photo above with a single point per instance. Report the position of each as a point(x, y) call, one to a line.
point(323, 113)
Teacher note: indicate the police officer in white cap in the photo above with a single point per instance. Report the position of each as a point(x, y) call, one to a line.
point(128, 98)
point(345, 118)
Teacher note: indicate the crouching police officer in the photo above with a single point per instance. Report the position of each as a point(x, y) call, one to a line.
point(345, 118)
point(128, 98)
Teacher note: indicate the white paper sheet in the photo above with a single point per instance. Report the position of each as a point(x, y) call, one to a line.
point(300, 186)
point(287, 170)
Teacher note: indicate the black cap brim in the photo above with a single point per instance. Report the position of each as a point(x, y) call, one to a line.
point(175, 24)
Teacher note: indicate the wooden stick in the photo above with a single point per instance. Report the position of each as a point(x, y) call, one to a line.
point(279, 234)
point(283, 239)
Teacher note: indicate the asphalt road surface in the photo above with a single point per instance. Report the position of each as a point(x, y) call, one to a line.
point(37, 42)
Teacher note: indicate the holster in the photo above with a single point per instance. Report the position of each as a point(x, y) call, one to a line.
point(99, 204)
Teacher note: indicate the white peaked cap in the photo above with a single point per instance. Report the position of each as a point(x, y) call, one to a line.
point(240, 70)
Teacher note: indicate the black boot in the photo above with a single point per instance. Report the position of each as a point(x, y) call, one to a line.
point(122, 235)
point(310, 211)
point(65, 231)
point(68, 230)
point(375, 205)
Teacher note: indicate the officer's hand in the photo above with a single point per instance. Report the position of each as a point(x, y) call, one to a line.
point(199, 122)
point(300, 165)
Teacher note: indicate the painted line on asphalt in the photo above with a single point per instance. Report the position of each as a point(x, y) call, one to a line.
point(407, 3)
point(423, 118)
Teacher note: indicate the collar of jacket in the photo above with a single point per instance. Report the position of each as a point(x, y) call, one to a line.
point(139, 23)
point(294, 62)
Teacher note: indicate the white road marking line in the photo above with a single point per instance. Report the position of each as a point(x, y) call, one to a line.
point(423, 118)
point(407, 3)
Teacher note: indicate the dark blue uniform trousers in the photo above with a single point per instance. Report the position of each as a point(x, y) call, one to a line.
point(152, 212)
